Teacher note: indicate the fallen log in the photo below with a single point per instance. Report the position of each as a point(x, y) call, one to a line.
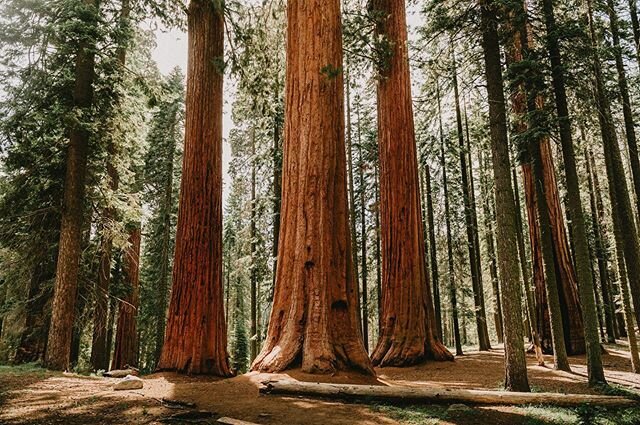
point(231, 421)
point(406, 395)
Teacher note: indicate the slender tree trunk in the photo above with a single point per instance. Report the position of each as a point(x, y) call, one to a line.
point(314, 319)
point(33, 339)
point(377, 252)
point(277, 195)
point(515, 359)
point(409, 333)
point(352, 205)
point(452, 285)
point(528, 291)
point(99, 350)
point(196, 335)
point(254, 331)
point(489, 218)
point(601, 255)
point(363, 236)
point(627, 112)
point(165, 255)
point(66, 284)
point(635, 25)
point(126, 348)
point(618, 189)
point(435, 278)
point(574, 205)
point(476, 277)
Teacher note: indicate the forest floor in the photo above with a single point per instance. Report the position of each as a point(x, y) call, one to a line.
point(29, 395)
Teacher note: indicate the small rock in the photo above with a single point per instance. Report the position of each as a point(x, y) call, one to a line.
point(129, 382)
point(459, 408)
point(121, 373)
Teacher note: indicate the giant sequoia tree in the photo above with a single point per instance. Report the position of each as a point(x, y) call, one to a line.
point(196, 335)
point(314, 318)
point(408, 333)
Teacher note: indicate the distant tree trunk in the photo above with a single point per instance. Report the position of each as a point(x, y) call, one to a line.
point(254, 331)
point(314, 320)
point(618, 189)
point(489, 218)
point(363, 238)
point(365, 301)
point(582, 257)
point(409, 333)
point(99, 350)
point(196, 335)
point(476, 276)
point(435, 277)
point(601, 255)
point(506, 229)
point(165, 255)
point(377, 251)
point(33, 339)
point(627, 112)
point(66, 283)
point(126, 348)
point(452, 286)
point(635, 25)
point(528, 291)
point(353, 218)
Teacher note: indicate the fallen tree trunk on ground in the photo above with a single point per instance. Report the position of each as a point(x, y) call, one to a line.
point(432, 395)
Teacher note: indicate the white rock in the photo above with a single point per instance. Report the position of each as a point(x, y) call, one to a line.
point(129, 382)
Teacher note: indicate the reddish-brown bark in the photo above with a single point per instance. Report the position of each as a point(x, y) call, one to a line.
point(196, 335)
point(314, 321)
point(66, 284)
point(408, 334)
point(126, 348)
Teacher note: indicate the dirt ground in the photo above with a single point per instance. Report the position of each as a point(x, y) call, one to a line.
point(41, 397)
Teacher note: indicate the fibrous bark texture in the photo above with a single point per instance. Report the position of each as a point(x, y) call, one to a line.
point(196, 336)
point(408, 334)
point(126, 348)
point(506, 220)
point(66, 284)
point(314, 319)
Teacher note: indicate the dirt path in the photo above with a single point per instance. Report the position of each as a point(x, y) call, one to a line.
point(48, 398)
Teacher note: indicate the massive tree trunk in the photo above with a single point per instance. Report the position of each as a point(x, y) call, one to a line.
point(476, 275)
point(126, 348)
point(196, 335)
point(435, 277)
point(409, 334)
point(546, 223)
point(314, 319)
point(574, 210)
point(66, 284)
point(515, 359)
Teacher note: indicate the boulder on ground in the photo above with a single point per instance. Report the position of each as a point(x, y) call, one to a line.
point(459, 408)
point(129, 382)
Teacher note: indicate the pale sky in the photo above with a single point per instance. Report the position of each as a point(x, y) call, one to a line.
point(171, 51)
